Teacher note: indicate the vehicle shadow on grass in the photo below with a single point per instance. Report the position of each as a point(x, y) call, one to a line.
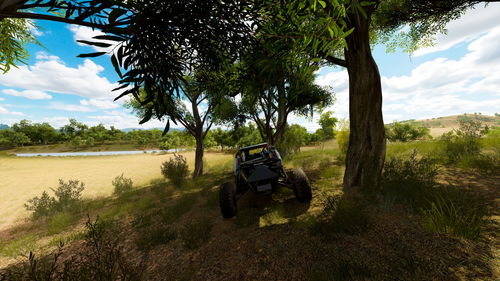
point(264, 210)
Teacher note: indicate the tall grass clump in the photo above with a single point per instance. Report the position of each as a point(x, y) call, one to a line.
point(67, 196)
point(409, 180)
point(457, 212)
point(175, 169)
point(122, 185)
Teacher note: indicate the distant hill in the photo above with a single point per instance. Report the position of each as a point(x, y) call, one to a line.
point(441, 125)
point(3, 126)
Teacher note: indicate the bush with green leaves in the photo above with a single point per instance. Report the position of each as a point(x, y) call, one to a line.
point(175, 169)
point(343, 142)
point(464, 141)
point(409, 180)
point(122, 185)
point(67, 195)
point(405, 132)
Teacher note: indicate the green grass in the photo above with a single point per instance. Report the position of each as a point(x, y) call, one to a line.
point(61, 222)
point(66, 238)
point(19, 246)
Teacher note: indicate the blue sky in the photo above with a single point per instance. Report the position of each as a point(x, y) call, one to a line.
point(460, 73)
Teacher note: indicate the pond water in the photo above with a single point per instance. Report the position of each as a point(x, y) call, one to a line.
point(95, 153)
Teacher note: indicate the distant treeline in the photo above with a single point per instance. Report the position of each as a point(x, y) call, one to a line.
point(77, 134)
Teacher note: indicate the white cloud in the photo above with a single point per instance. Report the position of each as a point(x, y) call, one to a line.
point(49, 74)
point(438, 87)
point(44, 56)
point(29, 94)
point(69, 107)
point(99, 103)
point(467, 28)
point(87, 34)
point(4, 111)
point(2, 99)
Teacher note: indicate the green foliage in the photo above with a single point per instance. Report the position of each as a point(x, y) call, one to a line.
point(18, 246)
point(463, 142)
point(67, 196)
point(343, 142)
point(341, 215)
point(122, 185)
point(328, 123)
point(409, 180)
point(16, 33)
point(295, 136)
point(176, 169)
point(405, 132)
point(10, 138)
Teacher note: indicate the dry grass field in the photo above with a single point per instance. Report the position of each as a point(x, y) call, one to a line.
point(24, 178)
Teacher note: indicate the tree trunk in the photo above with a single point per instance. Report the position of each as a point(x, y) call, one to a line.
point(198, 160)
point(366, 152)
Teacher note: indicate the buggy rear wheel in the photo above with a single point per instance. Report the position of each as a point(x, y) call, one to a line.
point(301, 185)
point(227, 200)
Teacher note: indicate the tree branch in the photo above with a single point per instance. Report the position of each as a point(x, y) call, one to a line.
point(336, 61)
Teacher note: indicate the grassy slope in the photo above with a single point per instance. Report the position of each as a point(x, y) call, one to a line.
point(271, 238)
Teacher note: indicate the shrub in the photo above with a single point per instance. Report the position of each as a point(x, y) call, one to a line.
point(122, 185)
point(176, 169)
point(341, 215)
point(67, 195)
point(464, 141)
point(41, 206)
point(405, 132)
point(409, 180)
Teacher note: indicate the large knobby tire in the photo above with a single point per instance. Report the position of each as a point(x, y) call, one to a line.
point(301, 185)
point(227, 200)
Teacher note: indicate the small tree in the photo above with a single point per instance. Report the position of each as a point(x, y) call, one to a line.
point(327, 123)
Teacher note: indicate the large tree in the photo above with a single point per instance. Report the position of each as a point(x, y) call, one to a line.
point(322, 26)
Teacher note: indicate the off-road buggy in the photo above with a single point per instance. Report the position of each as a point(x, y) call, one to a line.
point(259, 168)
